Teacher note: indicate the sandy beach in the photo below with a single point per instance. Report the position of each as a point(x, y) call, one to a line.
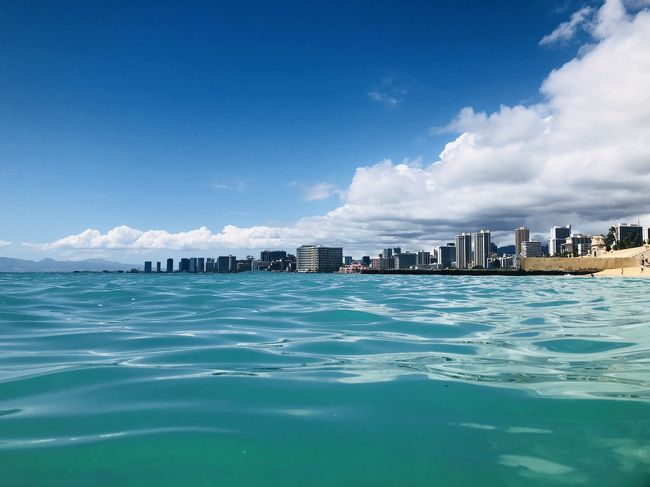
point(625, 272)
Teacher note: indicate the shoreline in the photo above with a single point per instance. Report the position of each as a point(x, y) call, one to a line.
point(476, 272)
point(637, 272)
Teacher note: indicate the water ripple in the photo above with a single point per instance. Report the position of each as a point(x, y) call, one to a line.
point(556, 336)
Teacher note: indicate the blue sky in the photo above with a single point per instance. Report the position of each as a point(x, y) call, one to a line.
point(178, 115)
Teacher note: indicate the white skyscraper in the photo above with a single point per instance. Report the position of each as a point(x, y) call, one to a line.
point(558, 237)
point(463, 250)
point(316, 258)
point(481, 243)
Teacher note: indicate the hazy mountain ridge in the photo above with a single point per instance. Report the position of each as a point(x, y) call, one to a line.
point(8, 264)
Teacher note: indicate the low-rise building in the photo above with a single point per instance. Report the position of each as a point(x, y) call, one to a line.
point(405, 260)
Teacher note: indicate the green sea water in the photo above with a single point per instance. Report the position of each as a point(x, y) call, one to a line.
point(307, 380)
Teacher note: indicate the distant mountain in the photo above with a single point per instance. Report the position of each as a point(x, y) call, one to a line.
point(510, 249)
point(8, 264)
point(507, 249)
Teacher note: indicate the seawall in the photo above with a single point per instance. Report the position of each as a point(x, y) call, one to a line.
point(572, 264)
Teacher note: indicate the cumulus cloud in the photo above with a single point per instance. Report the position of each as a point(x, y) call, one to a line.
point(5, 243)
point(127, 238)
point(581, 156)
point(567, 30)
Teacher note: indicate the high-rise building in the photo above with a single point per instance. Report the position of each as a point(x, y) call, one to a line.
point(347, 260)
point(158, 267)
point(170, 265)
point(226, 263)
point(522, 234)
point(446, 255)
point(184, 265)
point(147, 266)
point(193, 265)
point(365, 261)
point(387, 253)
point(272, 255)
point(404, 260)
point(397, 250)
point(631, 232)
point(481, 243)
point(209, 264)
point(316, 258)
point(463, 250)
point(558, 237)
point(531, 248)
point(424, 258)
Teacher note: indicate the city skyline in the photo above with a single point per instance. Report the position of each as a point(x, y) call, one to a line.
point(235, 143)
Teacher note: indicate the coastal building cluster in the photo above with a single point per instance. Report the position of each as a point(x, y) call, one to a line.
point(476, 250)
point(277, 260)
point(468, 251)
point(308, 258)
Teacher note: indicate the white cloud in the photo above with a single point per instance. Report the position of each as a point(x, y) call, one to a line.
point(127, 238)
point(237, 185)
point(388, 93)
point(582, 156)
point(567, 30)
point(320, 191)
point(5, 243)
point(384, 98)
point(637, 4)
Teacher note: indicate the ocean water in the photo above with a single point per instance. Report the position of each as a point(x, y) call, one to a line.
point(307, 380)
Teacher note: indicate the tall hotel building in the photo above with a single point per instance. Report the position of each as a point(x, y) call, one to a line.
point(481, 244)
point(316, 258)
point(463, 250)
point(558, 237)
point(531, 249)
point(522, 234)
point(446, 255)
point(424, 258)
point(624, 230)
point(226, 263)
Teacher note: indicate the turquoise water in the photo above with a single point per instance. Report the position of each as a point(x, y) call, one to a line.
point(297, 380)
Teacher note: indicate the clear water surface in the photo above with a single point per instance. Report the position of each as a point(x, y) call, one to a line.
point(296, 380)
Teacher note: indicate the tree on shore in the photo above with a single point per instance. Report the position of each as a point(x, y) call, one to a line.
point(610, 239)
point(631, 241)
